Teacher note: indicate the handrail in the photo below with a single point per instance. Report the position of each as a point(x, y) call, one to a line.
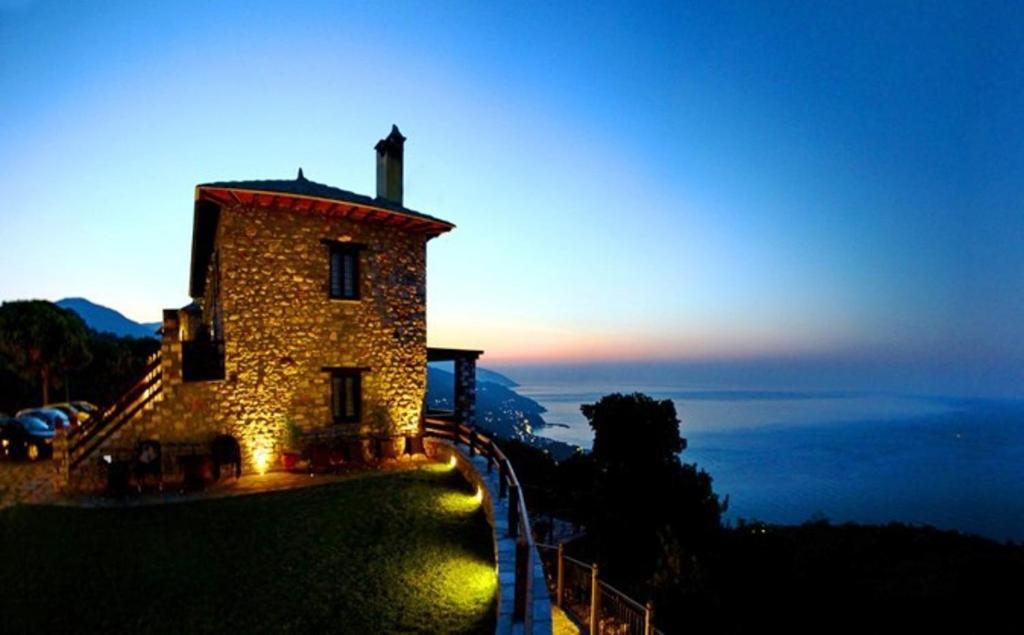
point(83, 441)
point(95, 440)
point(622, 596)
point(105, 414)
point(117, 409)
point(569, 559)
point(519, 526)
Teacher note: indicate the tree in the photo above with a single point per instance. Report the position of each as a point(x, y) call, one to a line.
point(634, 432)
point(117, 363)
point(644, 497)
point(41, 339)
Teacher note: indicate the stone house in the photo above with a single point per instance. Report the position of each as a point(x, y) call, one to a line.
point(309, 309)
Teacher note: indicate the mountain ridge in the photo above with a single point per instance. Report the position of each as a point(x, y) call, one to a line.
point(107, 320)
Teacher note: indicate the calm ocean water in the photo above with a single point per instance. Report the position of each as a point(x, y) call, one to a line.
point(786, 457)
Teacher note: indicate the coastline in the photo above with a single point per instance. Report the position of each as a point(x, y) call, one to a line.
point(787, 458)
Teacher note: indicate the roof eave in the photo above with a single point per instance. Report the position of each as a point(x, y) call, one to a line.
point(437, 225)
point(204, 223)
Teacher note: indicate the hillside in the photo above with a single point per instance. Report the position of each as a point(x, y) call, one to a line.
point(500, 409)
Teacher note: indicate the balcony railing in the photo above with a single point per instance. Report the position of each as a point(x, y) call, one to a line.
point(592, 603)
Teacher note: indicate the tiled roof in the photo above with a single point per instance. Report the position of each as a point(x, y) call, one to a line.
point(301, 186)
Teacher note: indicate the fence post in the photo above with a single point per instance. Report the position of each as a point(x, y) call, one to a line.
point(513, 508)
point(521, 601)
point(472, 443)
point(490, 456)
point(502, 480)
point(595, 601)
point(649, 618)
point(560, 577)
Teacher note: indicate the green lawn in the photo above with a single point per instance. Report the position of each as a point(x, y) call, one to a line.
point(406, 551)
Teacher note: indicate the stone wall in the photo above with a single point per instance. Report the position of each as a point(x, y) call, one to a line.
point(281, 330)
point(465, 390)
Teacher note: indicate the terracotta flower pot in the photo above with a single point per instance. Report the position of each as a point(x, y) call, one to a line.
point(289, 460)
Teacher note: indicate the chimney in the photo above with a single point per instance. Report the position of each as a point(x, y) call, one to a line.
point(389, 166)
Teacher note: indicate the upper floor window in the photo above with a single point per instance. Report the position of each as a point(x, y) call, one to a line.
point(343, 282)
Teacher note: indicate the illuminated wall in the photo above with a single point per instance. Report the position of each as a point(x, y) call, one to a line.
point(281, 330)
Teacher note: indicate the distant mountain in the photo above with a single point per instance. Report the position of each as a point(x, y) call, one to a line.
point(482, 374)
point(499, 409)
point(108, 320)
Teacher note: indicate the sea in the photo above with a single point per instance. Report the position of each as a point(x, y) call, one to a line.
point(785, 456)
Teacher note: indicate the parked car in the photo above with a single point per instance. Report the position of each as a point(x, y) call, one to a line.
point(75, 414)
point(26, 438)
point(50, 416)
point(85, 406)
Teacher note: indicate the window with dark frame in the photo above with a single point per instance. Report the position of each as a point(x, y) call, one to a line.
point(343, 282)
point(346, 395)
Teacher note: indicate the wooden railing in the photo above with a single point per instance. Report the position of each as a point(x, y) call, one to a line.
point(518, 517)
point(83, 441)
point(596, 605)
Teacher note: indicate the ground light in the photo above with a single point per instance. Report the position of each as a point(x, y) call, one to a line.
point(460, 503)
point(261, 460)
point(446, 466)
point(466, 582)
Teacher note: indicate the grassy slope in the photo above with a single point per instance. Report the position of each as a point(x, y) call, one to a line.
point(383, 552)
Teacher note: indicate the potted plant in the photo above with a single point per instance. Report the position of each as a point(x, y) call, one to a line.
point(382, 429)
point(292, 445)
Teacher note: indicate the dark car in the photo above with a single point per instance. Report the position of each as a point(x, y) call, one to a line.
point(50, 416)
point(25, 438)
point(85, 406)
point(75, 416)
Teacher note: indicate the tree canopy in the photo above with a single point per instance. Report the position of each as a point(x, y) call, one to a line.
point(646, 499)
point(634, 433)
point(42, 340)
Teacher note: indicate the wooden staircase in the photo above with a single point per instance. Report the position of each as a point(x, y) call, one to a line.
point(82, 442)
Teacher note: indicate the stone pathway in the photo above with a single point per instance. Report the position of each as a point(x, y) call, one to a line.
point(24, 482)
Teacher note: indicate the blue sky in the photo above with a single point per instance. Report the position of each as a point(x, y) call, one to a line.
point(827, 181)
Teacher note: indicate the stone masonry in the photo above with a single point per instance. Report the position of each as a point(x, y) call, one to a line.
point(263, 314)
point(281, 330)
